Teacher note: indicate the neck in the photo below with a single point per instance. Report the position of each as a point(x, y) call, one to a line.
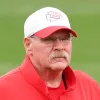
point(52, 78)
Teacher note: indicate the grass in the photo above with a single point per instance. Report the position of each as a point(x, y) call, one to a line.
point(84, 18)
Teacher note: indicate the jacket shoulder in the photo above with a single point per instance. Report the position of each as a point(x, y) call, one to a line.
point(84, 76)
point(8, 77)
point(7, 81)
point(87, 82)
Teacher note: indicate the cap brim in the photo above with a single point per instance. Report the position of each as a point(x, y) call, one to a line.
point(49, 30)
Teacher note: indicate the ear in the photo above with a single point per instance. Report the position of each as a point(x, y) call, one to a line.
point(28, 45)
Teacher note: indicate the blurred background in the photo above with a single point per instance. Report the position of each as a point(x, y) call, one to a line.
point(84, 16)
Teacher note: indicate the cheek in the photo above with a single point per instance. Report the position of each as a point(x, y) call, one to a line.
point(41, 50)
point(41, 55)
point(69, 48)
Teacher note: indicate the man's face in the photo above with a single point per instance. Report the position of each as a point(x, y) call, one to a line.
point(52, 52)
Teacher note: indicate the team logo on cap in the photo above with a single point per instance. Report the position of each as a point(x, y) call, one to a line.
point(53, 16)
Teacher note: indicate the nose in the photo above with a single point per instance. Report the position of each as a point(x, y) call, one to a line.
point(58, 45)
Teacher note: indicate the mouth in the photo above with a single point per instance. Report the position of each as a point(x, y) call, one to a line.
point(59, 59)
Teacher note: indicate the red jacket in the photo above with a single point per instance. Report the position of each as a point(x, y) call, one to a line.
point(23, 83)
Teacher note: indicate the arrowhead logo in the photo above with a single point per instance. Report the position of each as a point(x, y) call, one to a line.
point(53, 16)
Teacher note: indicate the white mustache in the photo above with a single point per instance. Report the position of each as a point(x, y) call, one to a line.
point(59, 54)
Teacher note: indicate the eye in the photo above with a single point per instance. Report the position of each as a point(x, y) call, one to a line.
point(65, 38)
point(46, 39)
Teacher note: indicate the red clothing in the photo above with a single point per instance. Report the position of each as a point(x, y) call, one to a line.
point(23, 83)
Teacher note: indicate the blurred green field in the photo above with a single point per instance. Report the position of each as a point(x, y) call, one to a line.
point(84, 16)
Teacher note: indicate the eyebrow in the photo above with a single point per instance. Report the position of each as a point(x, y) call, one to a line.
point(65, 35)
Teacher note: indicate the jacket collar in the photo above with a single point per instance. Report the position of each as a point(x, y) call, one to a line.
point(34, 79)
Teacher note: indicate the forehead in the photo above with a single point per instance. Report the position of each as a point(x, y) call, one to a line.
point(60, 33)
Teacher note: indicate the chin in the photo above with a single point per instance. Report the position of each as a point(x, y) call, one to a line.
point(58, 66)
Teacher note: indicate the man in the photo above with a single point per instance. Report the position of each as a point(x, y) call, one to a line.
point(45, 73)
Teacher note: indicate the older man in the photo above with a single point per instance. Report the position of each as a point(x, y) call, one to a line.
point(45, 74)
